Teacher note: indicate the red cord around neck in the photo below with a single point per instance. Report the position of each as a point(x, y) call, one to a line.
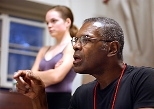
point(115, 94)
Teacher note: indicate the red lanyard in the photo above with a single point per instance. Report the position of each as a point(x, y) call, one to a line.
point(115, 94)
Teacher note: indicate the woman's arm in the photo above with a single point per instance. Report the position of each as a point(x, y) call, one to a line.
point(56, 75)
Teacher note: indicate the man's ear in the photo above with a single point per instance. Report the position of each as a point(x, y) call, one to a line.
point(68, 22)
point(113, 48)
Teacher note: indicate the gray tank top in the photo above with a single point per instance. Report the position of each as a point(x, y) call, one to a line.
point(66, 84)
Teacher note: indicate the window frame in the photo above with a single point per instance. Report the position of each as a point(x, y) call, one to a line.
point(4, 51)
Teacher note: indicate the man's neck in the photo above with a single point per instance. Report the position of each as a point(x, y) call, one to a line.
point(109, 76)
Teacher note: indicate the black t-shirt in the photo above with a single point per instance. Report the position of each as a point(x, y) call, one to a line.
point(136, 90)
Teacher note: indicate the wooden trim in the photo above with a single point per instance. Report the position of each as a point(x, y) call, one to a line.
point(24, 8)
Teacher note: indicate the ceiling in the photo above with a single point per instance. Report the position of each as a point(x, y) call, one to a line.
point(24, 8)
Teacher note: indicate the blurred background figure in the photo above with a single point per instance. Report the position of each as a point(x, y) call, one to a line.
point(53, 64)
point(137, 20)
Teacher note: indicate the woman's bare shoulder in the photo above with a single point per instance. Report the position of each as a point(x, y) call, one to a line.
point(44, 48)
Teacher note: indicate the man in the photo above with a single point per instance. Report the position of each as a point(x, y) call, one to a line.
point(98, 51)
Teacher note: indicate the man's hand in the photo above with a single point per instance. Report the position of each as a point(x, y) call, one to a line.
point(32, 87)
point(28, 84)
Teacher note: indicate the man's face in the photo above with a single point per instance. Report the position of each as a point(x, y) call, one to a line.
point(89, 56)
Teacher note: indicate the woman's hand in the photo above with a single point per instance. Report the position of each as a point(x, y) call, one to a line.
point(59, 63)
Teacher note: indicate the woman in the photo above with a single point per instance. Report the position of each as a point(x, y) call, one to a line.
point(53, 64)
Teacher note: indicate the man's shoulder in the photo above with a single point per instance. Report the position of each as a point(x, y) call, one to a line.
point(140, 69)
point(88, 87)
point(136, 72)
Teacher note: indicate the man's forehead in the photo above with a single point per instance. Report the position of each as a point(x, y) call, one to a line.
point(92, 25)
point(88, 28)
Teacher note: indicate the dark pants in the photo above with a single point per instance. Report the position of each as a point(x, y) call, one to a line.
point(58, 100)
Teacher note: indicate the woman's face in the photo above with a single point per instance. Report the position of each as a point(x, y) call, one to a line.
point(56, 25)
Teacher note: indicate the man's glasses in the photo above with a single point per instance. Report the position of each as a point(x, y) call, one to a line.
point(83, 40)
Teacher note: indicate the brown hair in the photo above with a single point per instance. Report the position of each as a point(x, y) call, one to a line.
point(67, 13)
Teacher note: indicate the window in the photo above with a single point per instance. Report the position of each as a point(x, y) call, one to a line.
point(20, 41)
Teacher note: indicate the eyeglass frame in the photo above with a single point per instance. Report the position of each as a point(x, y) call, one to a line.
point(87, 38)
